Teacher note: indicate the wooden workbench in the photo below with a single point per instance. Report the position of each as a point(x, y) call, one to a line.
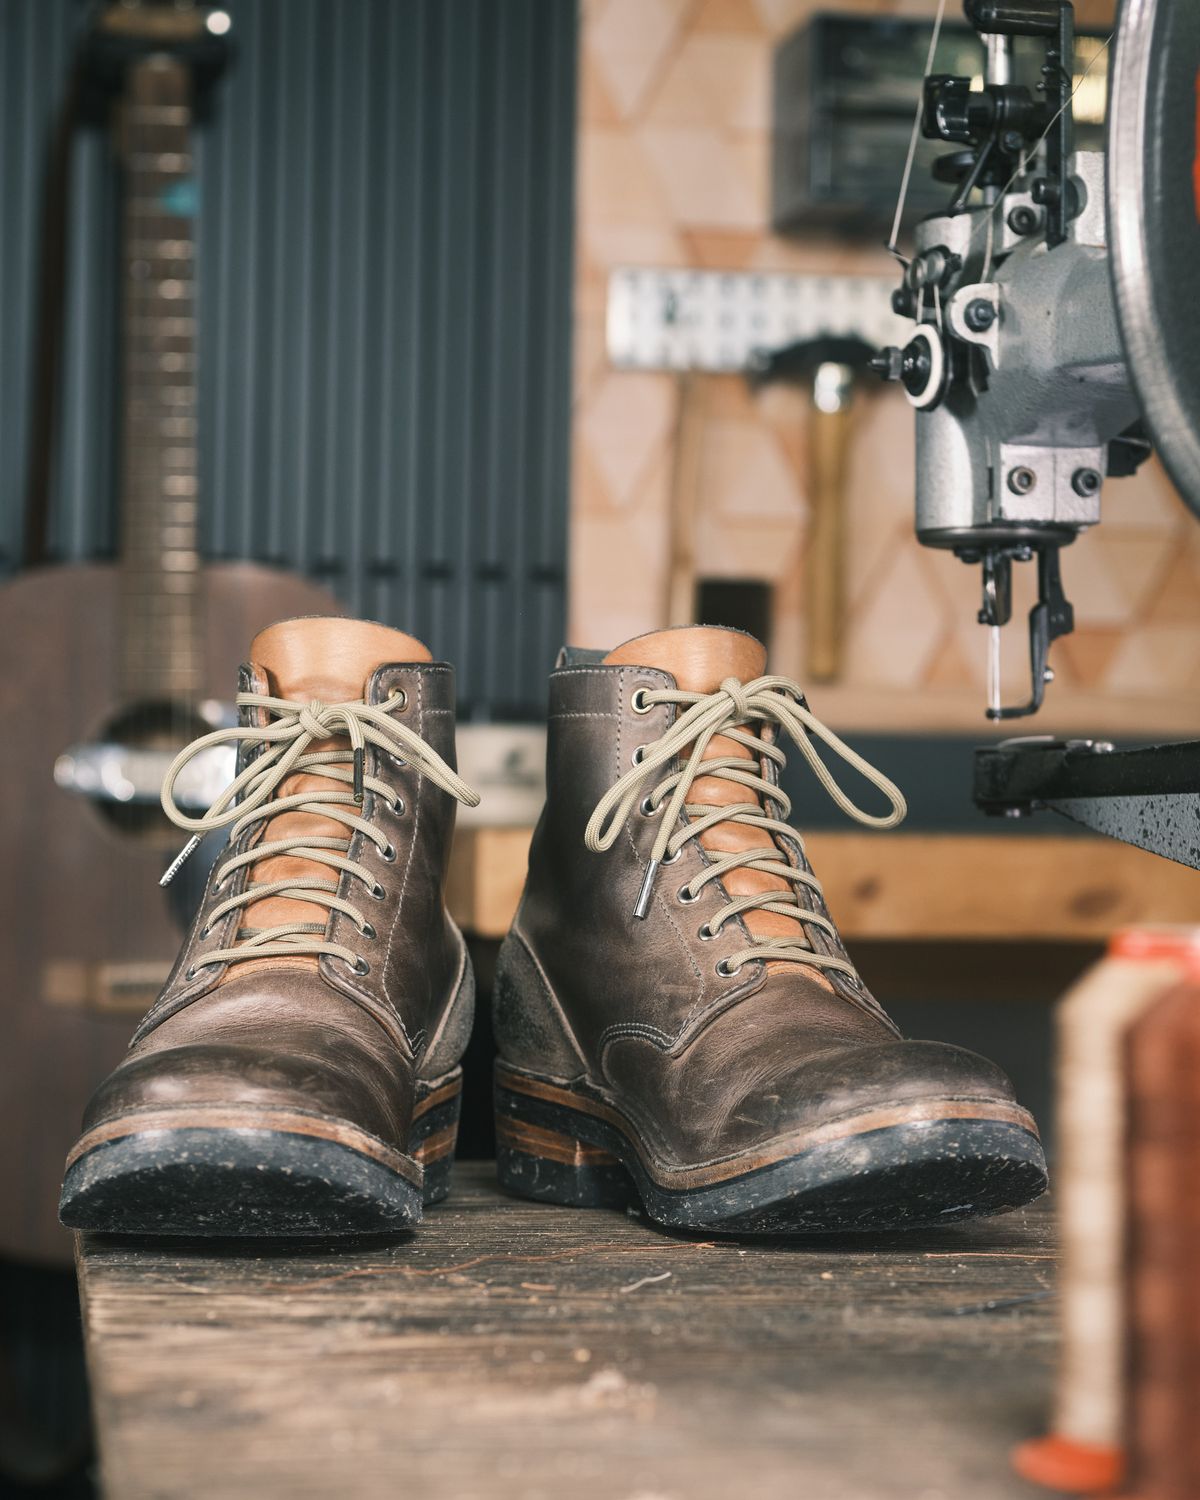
point(911, 886)
point(512, 1350)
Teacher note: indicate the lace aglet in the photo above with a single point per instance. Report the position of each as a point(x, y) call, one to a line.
point(180, 860)
point(642, 908)
point(359, 759)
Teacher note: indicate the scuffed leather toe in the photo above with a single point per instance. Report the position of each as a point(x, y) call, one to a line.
point(261, 1047)
point(774, 1092)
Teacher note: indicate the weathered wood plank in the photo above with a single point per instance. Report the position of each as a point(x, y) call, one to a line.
point(512, 1350)
point(911, 886)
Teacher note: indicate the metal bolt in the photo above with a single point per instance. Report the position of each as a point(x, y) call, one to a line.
point(903, 302)
point(1021, 480)
point(1044, 191)
point(1085, 481)
point(886, 363)
point(1023, 219)
point(979, 315)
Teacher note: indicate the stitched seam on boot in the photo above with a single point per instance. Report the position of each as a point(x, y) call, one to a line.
point(639, 1029)
point(412, 843)
point(346, 983)
point(697, 1021)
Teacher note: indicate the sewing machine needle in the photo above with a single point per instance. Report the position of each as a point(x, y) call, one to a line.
point(994, 668)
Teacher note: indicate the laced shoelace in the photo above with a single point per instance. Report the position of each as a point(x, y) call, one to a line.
point(652, 783)
point(250, 798)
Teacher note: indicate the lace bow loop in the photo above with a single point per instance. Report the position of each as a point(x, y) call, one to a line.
point(298, 726)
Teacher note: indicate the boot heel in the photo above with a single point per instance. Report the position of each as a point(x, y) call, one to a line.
point(551, 1167)
point(434, 1135)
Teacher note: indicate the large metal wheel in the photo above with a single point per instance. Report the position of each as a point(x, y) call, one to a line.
point(1154, 221)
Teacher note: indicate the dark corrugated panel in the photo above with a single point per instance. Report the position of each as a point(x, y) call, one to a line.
point(385, 274)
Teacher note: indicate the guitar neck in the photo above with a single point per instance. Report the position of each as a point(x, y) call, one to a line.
point(159, 554)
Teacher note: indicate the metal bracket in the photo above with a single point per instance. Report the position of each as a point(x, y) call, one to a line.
point(1148, 796)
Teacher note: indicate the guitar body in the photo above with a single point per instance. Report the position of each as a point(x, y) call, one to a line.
point(86, 933)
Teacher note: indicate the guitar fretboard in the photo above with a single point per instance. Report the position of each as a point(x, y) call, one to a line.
point(160, 648)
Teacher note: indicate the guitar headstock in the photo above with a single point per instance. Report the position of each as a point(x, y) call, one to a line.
point(120, 34)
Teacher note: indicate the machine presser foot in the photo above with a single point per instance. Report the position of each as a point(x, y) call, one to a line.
point(1052, 616)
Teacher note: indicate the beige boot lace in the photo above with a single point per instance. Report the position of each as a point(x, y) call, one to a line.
point(250, 798)
point(765, 700)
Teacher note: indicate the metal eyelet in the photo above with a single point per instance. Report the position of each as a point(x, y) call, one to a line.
point(367, 931)
point(378, 892)
point(388, 853)
point(686, 896)
point(204, 932)
point(398, 807)
point(361, 966)
point(705, 933)
point(398, 708)
point(727, 970)
point(671, 859)
point(639, 752)
point(648, 809)
point(638, 702)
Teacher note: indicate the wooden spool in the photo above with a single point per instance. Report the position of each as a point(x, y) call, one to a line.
point(1162, 1285)
point(1086, 1451)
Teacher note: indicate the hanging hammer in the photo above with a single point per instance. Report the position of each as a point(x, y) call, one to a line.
point(830, 365)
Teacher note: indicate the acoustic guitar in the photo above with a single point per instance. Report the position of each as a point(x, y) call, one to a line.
point(106, 669)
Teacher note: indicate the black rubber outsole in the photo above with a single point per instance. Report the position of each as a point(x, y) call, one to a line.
point(906, 1176)
point(224, 1182)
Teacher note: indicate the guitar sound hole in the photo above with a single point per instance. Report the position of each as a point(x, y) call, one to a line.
point(152, 733)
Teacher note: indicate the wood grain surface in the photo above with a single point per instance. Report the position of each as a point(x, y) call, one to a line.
point(510, 1350)
point(911, 886)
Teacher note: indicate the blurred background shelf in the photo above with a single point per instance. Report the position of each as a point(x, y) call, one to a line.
point(911, 887)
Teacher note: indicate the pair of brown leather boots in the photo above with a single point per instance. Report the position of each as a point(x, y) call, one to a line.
point(678, 1022)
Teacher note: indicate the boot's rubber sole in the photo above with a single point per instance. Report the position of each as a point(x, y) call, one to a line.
point(210, 1170)
point(910, 1166)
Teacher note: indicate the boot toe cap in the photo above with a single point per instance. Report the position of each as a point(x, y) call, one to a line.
point(199, 1076)
point(702, 1114)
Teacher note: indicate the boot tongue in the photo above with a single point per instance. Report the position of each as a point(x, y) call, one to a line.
point(700, 658)
point(331, 660)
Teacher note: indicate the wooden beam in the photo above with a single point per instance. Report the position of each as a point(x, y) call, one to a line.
point(917, 886)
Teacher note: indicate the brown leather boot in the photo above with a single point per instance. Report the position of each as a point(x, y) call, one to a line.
point(676, 1015)
point(299, 1072)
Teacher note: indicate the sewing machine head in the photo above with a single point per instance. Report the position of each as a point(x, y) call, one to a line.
point(1042, 352)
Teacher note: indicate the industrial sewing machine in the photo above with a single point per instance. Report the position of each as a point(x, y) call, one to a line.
point(1055, 337)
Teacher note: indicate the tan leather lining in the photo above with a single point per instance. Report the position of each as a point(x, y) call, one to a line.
point(312, 658)
point(700, 657)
